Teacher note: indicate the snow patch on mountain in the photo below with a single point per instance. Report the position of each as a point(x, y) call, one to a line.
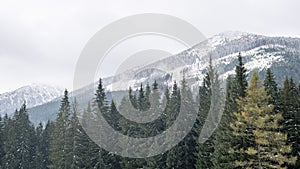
point(33, 95)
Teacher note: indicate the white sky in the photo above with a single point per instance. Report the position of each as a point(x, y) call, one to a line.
point(40, 41)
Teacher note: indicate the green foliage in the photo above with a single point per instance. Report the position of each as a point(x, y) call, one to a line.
point(205, 146)
point(61, 149)
point(289, 104)
point(223, 141)
point(266, 146)
point(252, 132)
point(19, 144)
point(241, 77)
point(271, 87)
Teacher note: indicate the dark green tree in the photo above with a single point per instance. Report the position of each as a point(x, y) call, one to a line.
point(142, 101)
point(271, 87)
point(221, 158)
point(19, 145)
point(102, 109)
point(289, 105)
point(60, 148)
point(240, 77)
point(205, 148)
point(45, 143)
point(175, 154)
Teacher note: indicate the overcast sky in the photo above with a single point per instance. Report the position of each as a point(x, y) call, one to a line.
point(40, 41)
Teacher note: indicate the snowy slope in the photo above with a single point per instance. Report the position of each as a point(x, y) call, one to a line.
point(33, 95)
point(281, 54)
point(259, 53)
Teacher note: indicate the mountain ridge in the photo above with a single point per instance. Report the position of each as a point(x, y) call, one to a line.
point(34, 94)
point(259, 52)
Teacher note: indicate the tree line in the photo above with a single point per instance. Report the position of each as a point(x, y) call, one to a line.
point(259, 128)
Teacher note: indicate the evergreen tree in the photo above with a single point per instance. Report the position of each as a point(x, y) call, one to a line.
point(75, 134)
point(39, 160)
point(104, 157)
point(271, 87)
point(142, 102)
point(205, 149)
point(8, 140)
point(241, 77)
point(61, 150)
point(289, 105)
point(88, 149)
point(147, 97)
point(190, 141)
point(19, 145)
point(133, 99)
point(101, 97)
point(45, 143)
point(254, 123)
point(176, 153)
point(222, 159)
point(157, 161)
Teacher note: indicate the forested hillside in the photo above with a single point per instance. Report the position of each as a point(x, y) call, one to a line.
point(259, 128)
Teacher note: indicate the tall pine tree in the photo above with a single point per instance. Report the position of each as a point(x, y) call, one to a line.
point(254, 123)
point(61, 150)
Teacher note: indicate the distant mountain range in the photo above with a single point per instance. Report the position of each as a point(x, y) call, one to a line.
point(33, 95)
point(281, 54)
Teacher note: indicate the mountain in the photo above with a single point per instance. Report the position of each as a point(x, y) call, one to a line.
point(33, 95)
point(281, 54)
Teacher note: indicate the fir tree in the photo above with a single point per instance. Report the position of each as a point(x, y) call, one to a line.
point(241, 77)
point(75, 134)
point(205, 149)
point(222, 159)
point(289, 105)
point(9, 143)
point(60, 152)
point(255, 123)
point(38, 159)
point(176, 153)
point(103, 108)
point(271, 87)
point(19, 145)
point(142, 102)
point(133, 99)
point(45, 143)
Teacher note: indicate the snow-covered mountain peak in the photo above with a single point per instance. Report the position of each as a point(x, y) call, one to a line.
point(227, 36)
point(33, 94)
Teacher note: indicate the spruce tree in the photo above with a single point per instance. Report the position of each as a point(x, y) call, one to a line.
point(45, 143)
point(240, 77)
point(8, 142)
point(271, 87)
point(190, 141)
point(39, 160)
point(19, 145)
point(60, 151)
point(289, 105)
point(175, 155)
point(221, 158)
point(102, 107)
point(89, 149)
point(205, 148)
point(133, 99)
point(75, 134)
point(142, 99)
point(254, 123)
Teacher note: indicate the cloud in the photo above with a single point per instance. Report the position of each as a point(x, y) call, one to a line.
point(40, 41)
